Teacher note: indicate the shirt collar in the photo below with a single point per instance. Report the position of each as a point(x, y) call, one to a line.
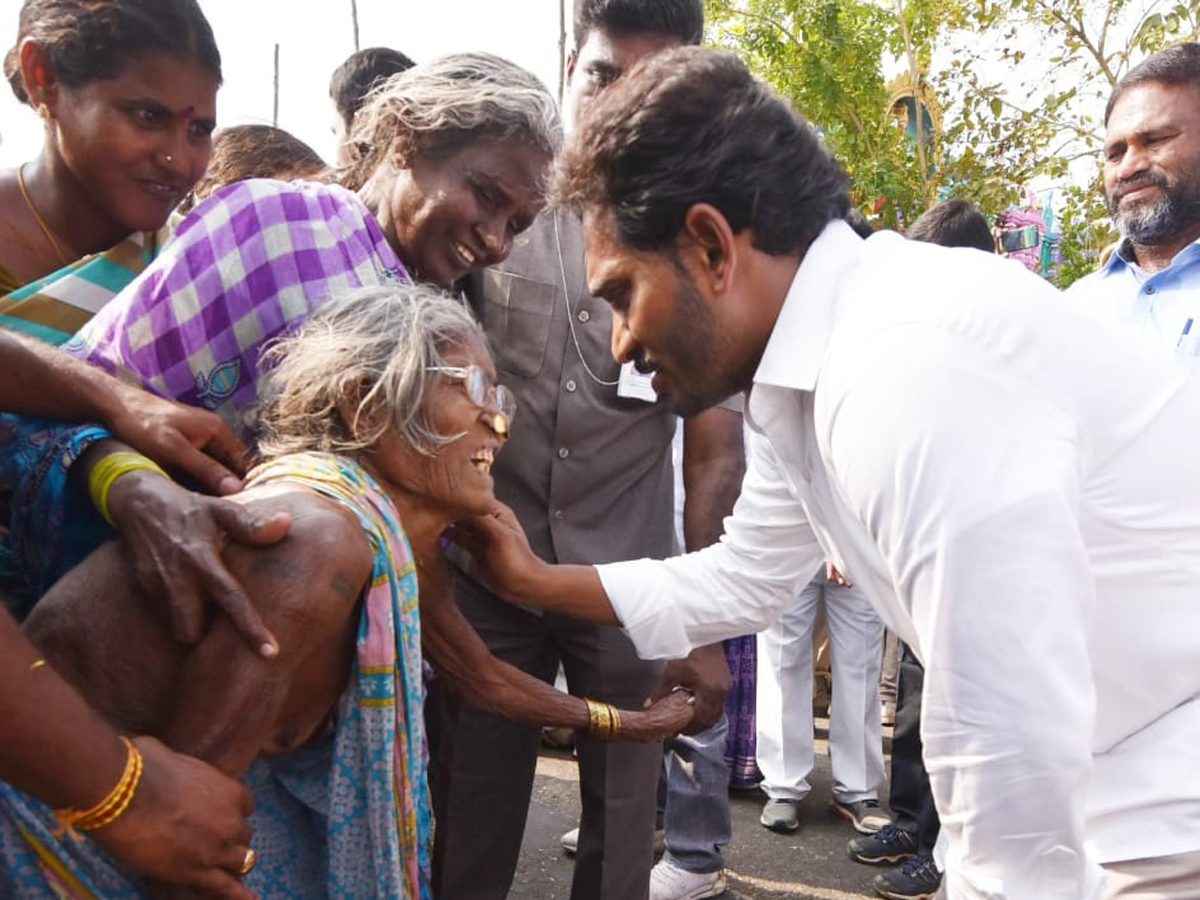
point(797, 343)
point(1124, 257)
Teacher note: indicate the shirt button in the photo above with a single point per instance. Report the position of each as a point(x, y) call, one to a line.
point(1149, 289)
point(563, 452)
point(584, 315)
point(571, 386)
point(559, 514)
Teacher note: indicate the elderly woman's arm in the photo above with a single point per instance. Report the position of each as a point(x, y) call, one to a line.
point(460, 655)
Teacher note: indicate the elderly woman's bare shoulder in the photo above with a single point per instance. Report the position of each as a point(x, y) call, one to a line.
point(325, 549)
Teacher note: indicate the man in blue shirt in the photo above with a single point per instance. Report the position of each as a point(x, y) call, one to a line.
point(1151, 284)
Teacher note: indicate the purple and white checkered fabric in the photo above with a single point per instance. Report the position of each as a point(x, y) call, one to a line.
point(250, 263)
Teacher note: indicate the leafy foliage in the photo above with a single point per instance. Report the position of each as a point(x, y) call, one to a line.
point(1019, 86)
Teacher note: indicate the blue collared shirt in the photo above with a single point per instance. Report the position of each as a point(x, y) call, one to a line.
point(1163, 308)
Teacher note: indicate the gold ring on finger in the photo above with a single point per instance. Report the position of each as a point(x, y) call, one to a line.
point(249, 861)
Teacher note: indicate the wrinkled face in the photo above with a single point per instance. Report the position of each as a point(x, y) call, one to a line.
point(1152, 162)
point(661, 320)
point(457, 479)
point(138, 142)
point(454, 214)
point(602, 59)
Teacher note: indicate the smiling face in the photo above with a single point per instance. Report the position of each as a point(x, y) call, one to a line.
point(1152, 163)
point(135, 144)
point(663, 321)
point(457, 479)
point(454, 214)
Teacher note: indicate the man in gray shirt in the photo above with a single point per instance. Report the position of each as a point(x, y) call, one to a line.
point(588, 472)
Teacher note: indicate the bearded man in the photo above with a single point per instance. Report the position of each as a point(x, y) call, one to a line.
point(1151, 284)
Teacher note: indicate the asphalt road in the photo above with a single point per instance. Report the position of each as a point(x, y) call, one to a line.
point(810, 863)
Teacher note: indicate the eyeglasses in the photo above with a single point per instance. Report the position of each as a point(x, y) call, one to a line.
point(480, 389)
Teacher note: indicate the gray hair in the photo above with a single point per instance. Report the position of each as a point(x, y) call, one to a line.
point(374, 348)
point(440, 106)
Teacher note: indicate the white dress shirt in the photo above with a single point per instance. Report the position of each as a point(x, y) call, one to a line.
point(1015, 485)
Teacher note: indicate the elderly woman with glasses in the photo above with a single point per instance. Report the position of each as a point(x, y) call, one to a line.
point(378, 430)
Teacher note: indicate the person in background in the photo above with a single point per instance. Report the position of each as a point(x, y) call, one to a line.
point(352, 82)
point(783, 706)
point(127, 91)
point(694, 787)
point(1150, 285)
point(590, 476)
point(907, 843)
point(953, 223)
point(254, 151)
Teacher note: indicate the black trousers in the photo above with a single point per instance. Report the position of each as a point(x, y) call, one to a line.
point(911, 799)
point(482, 766)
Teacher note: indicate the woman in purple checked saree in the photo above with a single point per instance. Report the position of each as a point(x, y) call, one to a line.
point(452, 158)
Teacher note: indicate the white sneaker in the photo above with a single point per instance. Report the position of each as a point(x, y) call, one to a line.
point(570, 841)
point(669, 882)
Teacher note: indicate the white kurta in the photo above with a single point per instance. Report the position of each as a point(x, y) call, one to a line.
point(1015, 485)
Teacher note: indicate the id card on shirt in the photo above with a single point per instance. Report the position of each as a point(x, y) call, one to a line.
point(634, 385)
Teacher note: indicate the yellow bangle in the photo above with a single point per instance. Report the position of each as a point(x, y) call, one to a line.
point(112, 806)
point(603, 720)
point(109, 469)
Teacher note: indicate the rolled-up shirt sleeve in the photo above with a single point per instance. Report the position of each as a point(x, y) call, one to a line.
point(965, 471)
point(735, 587)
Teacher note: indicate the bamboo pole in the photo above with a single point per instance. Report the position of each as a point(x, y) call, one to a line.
point(562, 49)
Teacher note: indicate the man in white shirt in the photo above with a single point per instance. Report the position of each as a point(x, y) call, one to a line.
point(1013, 483)
point(1151, 284)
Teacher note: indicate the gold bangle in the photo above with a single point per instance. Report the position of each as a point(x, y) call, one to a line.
point(599, 720)
point(109, 469)
point(114, 804)
point(604, 721)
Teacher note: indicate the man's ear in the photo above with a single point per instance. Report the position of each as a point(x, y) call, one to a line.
point(572, 58)
point(41, 83)
point(714, 245)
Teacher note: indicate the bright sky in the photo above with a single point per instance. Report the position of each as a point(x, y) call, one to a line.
point(314, 37)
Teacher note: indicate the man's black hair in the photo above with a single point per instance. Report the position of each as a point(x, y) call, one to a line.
point(363, 71)
point(1175, 65)
point(691, 126)
point(680, 19)
point(953, 223)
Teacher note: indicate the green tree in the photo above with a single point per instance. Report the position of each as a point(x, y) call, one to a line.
point(827, 56)
point(1021, 85)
